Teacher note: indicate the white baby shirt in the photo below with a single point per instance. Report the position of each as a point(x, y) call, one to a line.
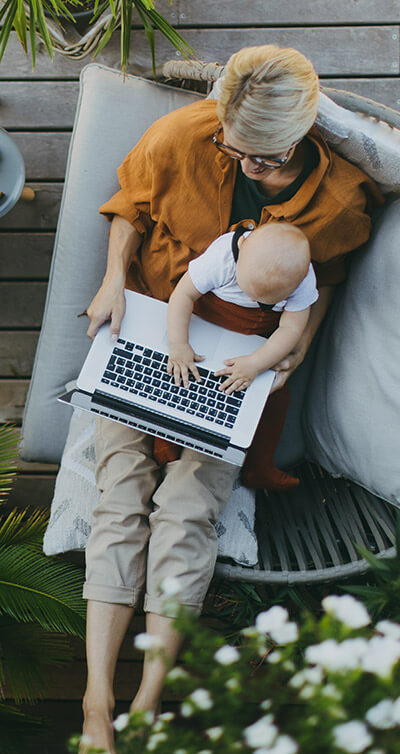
point(215, 271)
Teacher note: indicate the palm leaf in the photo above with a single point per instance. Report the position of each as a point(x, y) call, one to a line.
point(16, 729)
point(27, 651)
point(36, 588)
point(8, 445)
point(20, 24)
point(149, 34)
point(19, 529)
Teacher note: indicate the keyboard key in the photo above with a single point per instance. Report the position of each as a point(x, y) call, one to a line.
point(107, 382)
point(148, 389)
point(146, 379)
point(156, 383)
point(227, 424)
point(202, 399)
point(124, 387)
point(121, 341)
point(175, 399)
point(211, 402)
point(174, 389)
point(139, 348)
point(222, 415)
point(121, 379)
point(190, 411)
point(129, 346)
point(158, 356)
point(131, 383)
point(121, 361)
point(133, 390)
point(130, 365)
point(219, 421)
point(119, 370)
point(115, 384)
point(212, 412)
point(203, 372)
point(231, 419)
point(138, 368)
point(120, 352)
point(146, 362)
point(220, 405)
point(152, 398)
point(110, 375)
point(137, 357)
point(128, 373)
point(233, 401)
point(194, 406)
point(185, 402)
point(157, 375)
point(158, 393)
point(192, 395)
point(203, 409)
point(180, 407)
point(155, 364)
point(202, 390)
point(147, 352)
point(147, 370)
point(111, 363)
point(183, 392)
point(232, 410)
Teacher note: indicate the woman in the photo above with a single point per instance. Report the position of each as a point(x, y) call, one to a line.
point(253, 157)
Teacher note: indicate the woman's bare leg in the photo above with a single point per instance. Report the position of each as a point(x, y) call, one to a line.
point(106, 627)
point(155, 668)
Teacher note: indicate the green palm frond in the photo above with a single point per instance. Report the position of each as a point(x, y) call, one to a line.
point(18, 528)
point(8, 457)
point(36, 588)
point(27, 652)
point(16, 729)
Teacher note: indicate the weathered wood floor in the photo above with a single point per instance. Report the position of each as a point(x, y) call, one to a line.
point(354, 45)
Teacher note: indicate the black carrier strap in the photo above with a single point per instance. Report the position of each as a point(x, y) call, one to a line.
point(235, 251)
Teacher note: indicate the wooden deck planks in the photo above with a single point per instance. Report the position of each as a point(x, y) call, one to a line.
point(335, 51)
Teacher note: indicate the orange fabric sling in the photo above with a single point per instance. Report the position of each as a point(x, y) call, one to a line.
point(258, 469)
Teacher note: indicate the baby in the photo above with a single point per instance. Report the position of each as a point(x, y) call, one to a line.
point(260, 282)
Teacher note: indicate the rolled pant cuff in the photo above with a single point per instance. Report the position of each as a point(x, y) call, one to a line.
point(158, 606)
point(119, 595)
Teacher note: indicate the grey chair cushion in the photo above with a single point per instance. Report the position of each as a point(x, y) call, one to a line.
point(352, 414)
point(112, 115)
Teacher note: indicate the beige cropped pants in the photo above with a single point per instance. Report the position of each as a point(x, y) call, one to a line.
point(152, 523)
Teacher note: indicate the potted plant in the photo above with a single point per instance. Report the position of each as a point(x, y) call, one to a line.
point(45, 18)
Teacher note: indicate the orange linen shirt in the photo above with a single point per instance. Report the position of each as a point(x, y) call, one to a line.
point(177, 188)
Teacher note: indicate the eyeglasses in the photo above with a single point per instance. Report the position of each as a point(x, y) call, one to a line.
point(236, 154)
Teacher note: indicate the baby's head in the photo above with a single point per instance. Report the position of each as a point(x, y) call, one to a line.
point(273, 260)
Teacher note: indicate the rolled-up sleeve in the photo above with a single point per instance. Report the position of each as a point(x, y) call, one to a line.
point(133, 200)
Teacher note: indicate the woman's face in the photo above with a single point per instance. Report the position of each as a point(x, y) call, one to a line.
point(250, 168)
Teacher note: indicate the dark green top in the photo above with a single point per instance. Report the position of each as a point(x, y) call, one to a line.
point(248, 201)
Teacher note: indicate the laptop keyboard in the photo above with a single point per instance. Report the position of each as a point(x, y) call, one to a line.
point(141, 371)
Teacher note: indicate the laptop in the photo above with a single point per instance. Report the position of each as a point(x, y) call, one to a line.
point(127, 381)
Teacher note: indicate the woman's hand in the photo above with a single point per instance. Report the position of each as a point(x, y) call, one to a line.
point(108, 303)
point(287, 366)
point(241, 371)
point(181, 359)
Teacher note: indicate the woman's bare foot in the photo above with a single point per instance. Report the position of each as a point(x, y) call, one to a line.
point(97, 728)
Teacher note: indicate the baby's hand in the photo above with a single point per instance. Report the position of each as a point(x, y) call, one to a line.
point(241, 371)
point(182, 358)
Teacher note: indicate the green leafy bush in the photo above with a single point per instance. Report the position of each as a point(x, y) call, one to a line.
point(329, 685)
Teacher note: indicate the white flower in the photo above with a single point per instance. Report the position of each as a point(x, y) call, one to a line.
point(227, 655)
point(307, 692)
point(170, 586)
point(262, 733)
point(166, 717)
point(383, 653)
point(274, 657)
point(201, 698)
point(205, 751)
point(266, 704)
point(121, 721)
point(232, 684)
point(309, 675)
point(154, 740)
point(381, 715)
point(396, 711)
point(331, 692)
point(148, 717)
point(147, 641)
point(272, 619)
point(180, 751)
point(389, 628)
point(214, 734)
point(186, 709)
point(347, 609)
point(352, 737)
point(287, 633)
point(176, 673)
point(283, 745)
point(345, 656)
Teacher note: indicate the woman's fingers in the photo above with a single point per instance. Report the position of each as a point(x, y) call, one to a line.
point(117, 316)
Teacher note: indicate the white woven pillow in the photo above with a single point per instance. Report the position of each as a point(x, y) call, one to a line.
point(76, 495)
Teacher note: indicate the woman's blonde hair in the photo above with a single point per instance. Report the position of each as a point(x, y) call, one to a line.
point(269, 97)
